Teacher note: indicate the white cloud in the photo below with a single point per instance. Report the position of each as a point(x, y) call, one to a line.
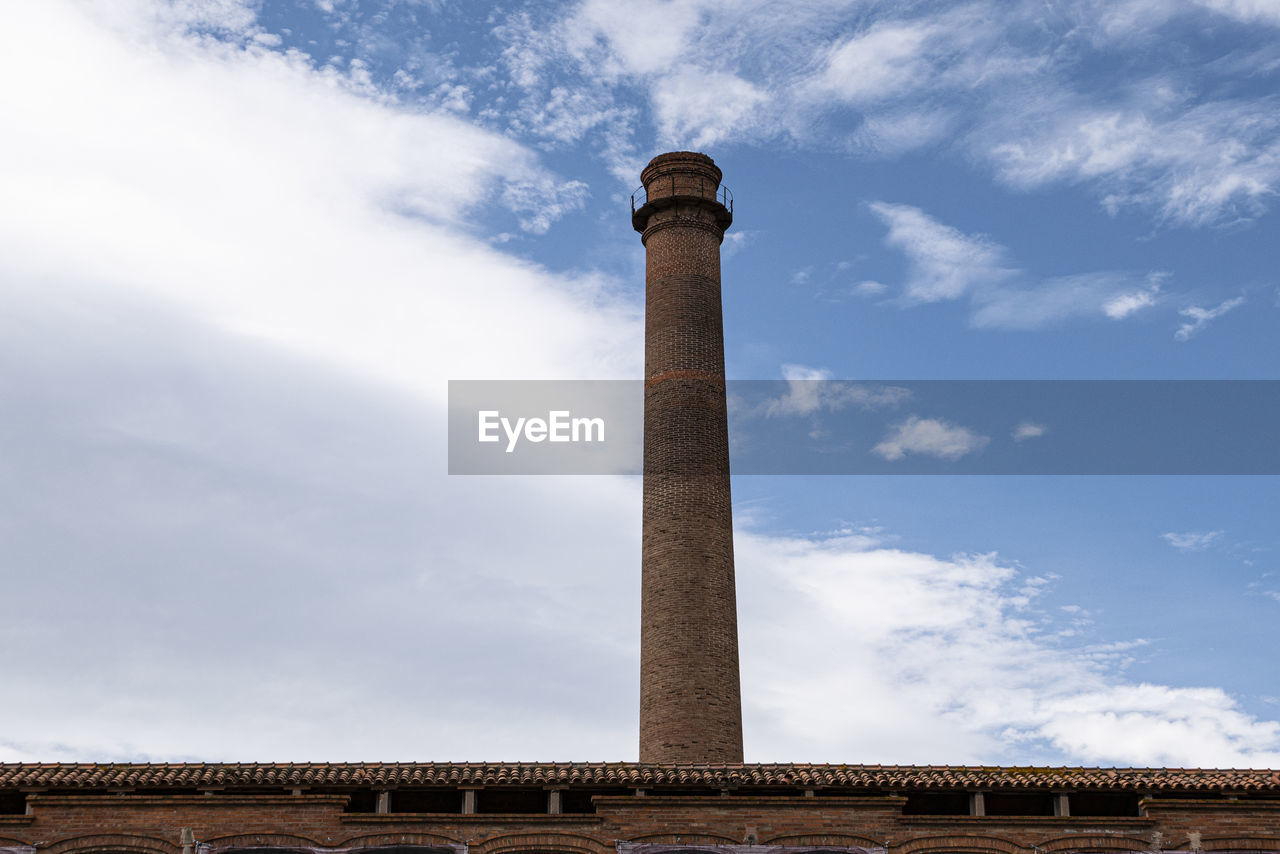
point(736, 241)
point(541, 200)
point(206, 501)
point(775, 76)
point(944, 263)
point(895, 132)
point(1003, 81)
point(917, 657)
point(1198, 317)
point(697, 109)
point(567, 114)
point(1028, 430)
point(1193, 165)
point(894, 68)
point(642, 38)
point(1248, 11)
point(869, 288)
point(235, 289)
point(880, 63)
point(1122, 305)
point(229, 16)
point(1192, 541)
point(1158, 726)
point(340, 268)
point(931, 437)
point(1113, 295)
point(455, 98)
point(1129, 19)
point(1136, 19)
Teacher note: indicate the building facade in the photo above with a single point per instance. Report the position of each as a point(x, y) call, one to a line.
point(631, 808)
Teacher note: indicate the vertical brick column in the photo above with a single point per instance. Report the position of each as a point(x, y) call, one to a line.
point(690, 703)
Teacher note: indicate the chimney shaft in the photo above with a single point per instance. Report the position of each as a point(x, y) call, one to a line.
point(690, 703)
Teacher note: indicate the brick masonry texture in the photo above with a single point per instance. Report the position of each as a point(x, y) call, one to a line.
point(71, 810)
point(690, 704)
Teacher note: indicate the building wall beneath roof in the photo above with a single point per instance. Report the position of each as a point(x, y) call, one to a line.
point(78, 824)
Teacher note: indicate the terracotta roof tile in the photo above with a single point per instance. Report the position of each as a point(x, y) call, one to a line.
point(195, 775)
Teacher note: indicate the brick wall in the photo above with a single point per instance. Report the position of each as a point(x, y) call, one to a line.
point(78, 823)
point(690, 706)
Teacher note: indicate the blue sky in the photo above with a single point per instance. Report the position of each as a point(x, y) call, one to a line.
point(244, 246)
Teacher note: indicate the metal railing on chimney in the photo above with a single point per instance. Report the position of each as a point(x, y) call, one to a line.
point(721, 194)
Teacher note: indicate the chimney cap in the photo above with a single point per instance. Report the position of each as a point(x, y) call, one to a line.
point(680, 161)
point(681, 177)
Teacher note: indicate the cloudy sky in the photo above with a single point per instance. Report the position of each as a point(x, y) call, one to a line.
point(245, 244)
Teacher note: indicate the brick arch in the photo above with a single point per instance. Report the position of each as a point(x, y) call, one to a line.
point(958, 845)
point(114, 842)
point(262, 840)
point(825, 840)
point(10, 842)
point(1240, 843)
point(542, 843)
point(382, 840)
point(685, 840)
point(1096, 842)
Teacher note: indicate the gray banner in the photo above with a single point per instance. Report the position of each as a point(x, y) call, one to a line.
point(1055, 427)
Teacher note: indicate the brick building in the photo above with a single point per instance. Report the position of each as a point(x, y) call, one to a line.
point(691, 792)
point(651, 808)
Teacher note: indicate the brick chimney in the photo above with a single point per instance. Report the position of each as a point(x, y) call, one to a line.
point(690, 703)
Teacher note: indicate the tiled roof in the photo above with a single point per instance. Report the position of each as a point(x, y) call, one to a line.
point(886, 777)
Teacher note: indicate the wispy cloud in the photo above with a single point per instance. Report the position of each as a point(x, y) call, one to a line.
point(1192, 541)
point(1198, 317)
point(1034, 305)
point(884, 61)
point(1247, 11)
point(1124, 304)
point(1192, 164)
point(542, 199)
point(1007, 83)
point(945, 263)
point(892, 132)
point(1129, 17)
